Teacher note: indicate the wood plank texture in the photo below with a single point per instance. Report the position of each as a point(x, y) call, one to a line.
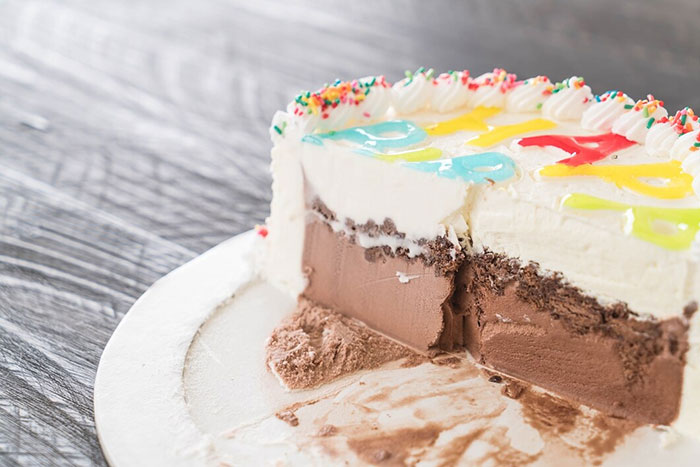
point(133, 136)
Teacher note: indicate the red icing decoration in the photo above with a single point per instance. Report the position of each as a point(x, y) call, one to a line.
point(583, 149)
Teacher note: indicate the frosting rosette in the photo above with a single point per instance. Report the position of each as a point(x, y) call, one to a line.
point(489, 89)
point(686, 145)
point(568, 99)
point(664, 133)
point(636, 122)
point(529, 95)
point(450, 91)
point(377, 98)
point(605, 109)
point(414, 92)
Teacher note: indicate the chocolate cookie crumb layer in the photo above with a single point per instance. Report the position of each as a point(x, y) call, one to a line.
point(439, 253)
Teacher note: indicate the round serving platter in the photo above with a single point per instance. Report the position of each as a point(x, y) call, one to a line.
point(183, 382)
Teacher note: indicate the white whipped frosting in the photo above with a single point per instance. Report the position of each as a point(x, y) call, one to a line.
point(682, 146)
point(279, 124)
point(487, 96)
point(357, 102)
point(569, 102)
point(663, 136)
point(660, 139)
point(691, 165)
point(490, 91)
point(634, 124)
point(412, 94)
point(529, 96)
point(376, 102)
point(336, 118)
point(306, 122)
point(449, 92)
point(602, 113)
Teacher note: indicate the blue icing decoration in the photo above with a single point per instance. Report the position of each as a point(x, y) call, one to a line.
point(477, 168)
point(378, 137)
point(312, 139)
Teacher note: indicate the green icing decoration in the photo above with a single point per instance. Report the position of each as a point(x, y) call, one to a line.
point(670, 228)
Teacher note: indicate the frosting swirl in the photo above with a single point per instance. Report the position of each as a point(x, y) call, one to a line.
point(665, 132)
point(450, 91)
point(306, 121)
point(605, 109)
point(414, 92)
point(685, 145)
point(489, 89)
point(691, 165)
point(377, 98)
point(568, 100)
point(635, 123)
point(529, 95)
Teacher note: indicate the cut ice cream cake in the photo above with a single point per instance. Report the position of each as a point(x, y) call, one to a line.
point(550, 232)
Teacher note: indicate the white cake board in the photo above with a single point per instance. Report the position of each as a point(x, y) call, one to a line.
point(182, 382)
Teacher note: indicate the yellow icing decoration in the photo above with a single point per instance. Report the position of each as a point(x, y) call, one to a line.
point(675, 183)
point(492, 134)
point(421, 155)
point(471, 121)
point(670, 228)
point(500, 132)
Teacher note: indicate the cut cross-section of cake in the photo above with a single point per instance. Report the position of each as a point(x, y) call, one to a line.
point(549, 232)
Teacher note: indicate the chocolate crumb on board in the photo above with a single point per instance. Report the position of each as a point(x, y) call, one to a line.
point(316, 345)
point(288, 417)
point(327, 430)
point(512, 389)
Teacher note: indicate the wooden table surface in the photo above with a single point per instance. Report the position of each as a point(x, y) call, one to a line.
point(133, 136)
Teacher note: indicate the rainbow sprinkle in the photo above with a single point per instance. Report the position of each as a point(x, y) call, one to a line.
point(536, 80)
point(696, 144)
point(453, 77)
point(541, 79)
point(410, 76)
point(614, 95)
point(575, 83)
point(261, 230)
point(331, 96)
point(647, 106)
point(498, 77)
point(682, 122)
point(280, 129)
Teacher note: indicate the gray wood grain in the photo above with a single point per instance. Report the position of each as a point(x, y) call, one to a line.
point(133, 136)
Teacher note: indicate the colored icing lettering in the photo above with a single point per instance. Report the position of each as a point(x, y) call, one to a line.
point(379, 137)
point(665, 180)
point(471, 121)
point(477, 168)
point(492, 134)
point(583, 149)
point(500, 132)
point(312, 139)
point(671, 228)
point(427, 154)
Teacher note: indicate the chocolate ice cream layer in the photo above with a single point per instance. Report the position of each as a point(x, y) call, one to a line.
point(510, 317)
